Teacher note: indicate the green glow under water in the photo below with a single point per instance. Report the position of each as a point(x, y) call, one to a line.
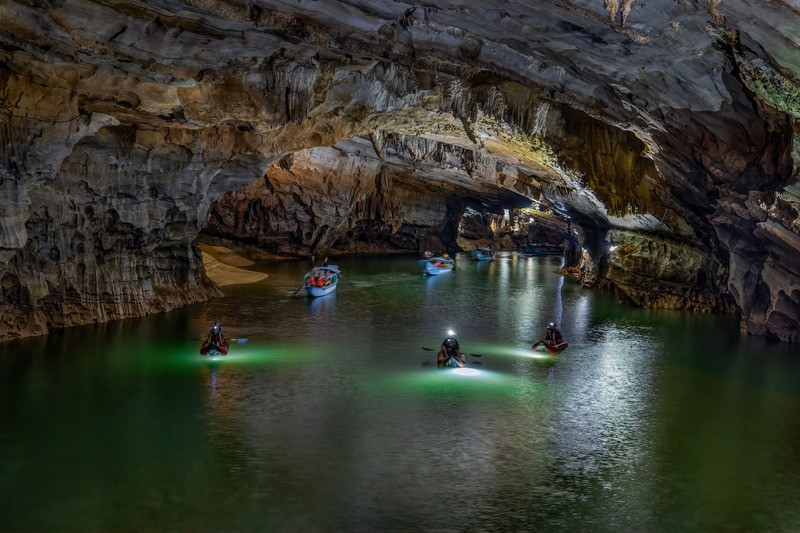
point(333, 418)
point(431, 381)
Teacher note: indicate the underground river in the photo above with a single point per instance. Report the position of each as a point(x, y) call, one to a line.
point(332, 418)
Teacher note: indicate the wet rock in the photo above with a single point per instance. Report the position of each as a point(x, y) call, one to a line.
point(661, 119)
point(650, 271)
point(353, 199)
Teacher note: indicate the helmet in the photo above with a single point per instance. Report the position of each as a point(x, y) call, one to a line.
point(450, 342)
point(551, 326)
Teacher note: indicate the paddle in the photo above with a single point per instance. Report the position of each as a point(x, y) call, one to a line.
point(239, 340)
point(472, 354)
point(297, 289)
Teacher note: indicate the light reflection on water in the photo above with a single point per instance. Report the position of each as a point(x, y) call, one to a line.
point(332, 416)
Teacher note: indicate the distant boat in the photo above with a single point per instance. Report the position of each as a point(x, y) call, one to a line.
point(482, 254)
point(322, 280)
point(437, 265)
point(543, 249)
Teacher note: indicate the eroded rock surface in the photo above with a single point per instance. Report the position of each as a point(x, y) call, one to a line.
point(124, 123)
point(382, 193)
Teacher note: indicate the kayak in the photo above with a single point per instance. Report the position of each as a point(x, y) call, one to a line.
point(482, 254)
point(320, 281)
point(452, 362)
point(542, 347)
point(214, 349)
point(437, 265)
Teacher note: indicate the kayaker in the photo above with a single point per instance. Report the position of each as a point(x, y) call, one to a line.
point(216, 339)
point(450, 353)
point(553, 335)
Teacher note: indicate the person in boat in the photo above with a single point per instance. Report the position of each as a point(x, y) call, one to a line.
point(215, 340)
point(553, 336)
point(450, 354)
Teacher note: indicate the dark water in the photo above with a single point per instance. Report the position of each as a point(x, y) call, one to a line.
point(327, 419)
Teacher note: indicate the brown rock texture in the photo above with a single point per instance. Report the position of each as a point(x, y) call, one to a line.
point(668, 125)
point(348, 198)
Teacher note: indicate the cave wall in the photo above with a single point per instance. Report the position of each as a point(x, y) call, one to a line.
point(657, 272)
point(346, 203)
point(382, 193)
point(111, 235)
point(205, 96)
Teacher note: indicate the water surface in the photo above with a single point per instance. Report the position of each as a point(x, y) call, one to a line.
point(331, 417)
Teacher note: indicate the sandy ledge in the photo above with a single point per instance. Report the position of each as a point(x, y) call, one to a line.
point(223, 266)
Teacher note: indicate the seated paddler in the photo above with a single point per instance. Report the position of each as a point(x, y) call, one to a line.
point(553, 335)
point(215, 340)
point(450, 353)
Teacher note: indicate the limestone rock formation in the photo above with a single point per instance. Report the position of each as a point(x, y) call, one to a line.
point(349, 198)
point(652, 271)
point(125, 123)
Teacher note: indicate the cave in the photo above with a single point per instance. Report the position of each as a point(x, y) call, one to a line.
point(169, 140)
point(652, 145)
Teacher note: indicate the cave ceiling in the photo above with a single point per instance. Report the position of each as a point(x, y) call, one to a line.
point(266, 78)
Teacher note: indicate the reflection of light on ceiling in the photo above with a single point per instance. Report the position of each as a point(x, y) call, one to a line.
point(466, 371)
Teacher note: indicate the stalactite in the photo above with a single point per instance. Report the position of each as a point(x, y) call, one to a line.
point(626, 10)
point(612, 6)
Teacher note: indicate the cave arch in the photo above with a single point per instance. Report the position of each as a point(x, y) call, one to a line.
point(690, 131)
